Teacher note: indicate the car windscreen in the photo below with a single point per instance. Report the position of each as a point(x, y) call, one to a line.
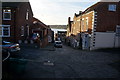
point(4, 43)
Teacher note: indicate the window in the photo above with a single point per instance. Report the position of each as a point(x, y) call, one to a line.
point(87, 24)
point(82, 24)
point(0, 31)
point(5, 29)
point(112, 7)
point(6, 14)
point(27, 16)
point(22, 30)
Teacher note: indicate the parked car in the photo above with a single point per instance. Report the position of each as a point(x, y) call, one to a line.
point(10, 47)
point(58, 44)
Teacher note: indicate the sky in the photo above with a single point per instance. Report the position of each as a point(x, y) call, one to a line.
point(56, 12)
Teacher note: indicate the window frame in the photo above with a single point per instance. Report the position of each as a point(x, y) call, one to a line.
point(83, 24)
point(112, 7)
point(87, 23)
point(27, 15)
point(7, 13)
point(2, 27)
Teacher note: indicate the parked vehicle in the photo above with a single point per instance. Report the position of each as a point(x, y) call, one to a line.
point(10, 47)
point(35, 36)
point(58, 44)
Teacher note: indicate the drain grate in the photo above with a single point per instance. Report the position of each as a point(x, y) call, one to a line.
point(48, 63)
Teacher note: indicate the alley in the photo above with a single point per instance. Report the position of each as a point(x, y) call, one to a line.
point(66, 62)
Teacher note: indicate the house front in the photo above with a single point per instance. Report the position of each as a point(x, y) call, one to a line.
point(16, 20)
point(98, 26)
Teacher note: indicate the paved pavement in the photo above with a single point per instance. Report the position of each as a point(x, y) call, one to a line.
point(65, 62)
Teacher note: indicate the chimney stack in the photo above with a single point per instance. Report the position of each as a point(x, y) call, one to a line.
point(80, 12)
point(69, 23)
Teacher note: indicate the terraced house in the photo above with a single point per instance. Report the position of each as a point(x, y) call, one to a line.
point(19, 25)
point(96, 27)
point(16, 20)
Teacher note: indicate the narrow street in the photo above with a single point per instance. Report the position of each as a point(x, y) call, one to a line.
point(64, 62)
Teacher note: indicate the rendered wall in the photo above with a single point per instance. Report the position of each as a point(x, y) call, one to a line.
point(104, 40)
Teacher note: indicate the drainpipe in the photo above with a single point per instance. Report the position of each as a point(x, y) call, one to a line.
point(80, 43)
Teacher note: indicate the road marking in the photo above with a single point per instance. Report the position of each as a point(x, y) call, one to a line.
point(6, 57)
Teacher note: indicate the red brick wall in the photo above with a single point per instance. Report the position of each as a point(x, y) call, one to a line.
point(88, 15)
point(21, 20)
point(12, 25)
point(18, 19)
point(77, 26)
point(107, 20)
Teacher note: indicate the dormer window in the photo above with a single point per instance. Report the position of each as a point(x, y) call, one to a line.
point(112, 7)
point(6, 14)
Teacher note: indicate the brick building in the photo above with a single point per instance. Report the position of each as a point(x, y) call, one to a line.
point(95, 26)
point(43, 30)
point(16, 20)
point(18, 24)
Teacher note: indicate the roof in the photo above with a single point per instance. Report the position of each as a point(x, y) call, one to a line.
point(93, 7)
point(40, 22)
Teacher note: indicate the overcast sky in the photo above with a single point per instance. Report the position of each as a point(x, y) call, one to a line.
point(56, 12)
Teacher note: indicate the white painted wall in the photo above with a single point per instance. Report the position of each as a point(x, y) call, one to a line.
point(104, 40)
point(117, 41)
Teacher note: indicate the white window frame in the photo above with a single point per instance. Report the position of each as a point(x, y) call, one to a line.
point(112, 7)
point(2, 27)
point(27, 14)
point(7, 13)
point(87, 22)
point(82, 27)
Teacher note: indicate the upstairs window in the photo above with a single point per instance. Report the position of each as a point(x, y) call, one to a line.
point(112, 7)
point(82, 23)
point(6, 14)
point(86, 23)
point(27, 14)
